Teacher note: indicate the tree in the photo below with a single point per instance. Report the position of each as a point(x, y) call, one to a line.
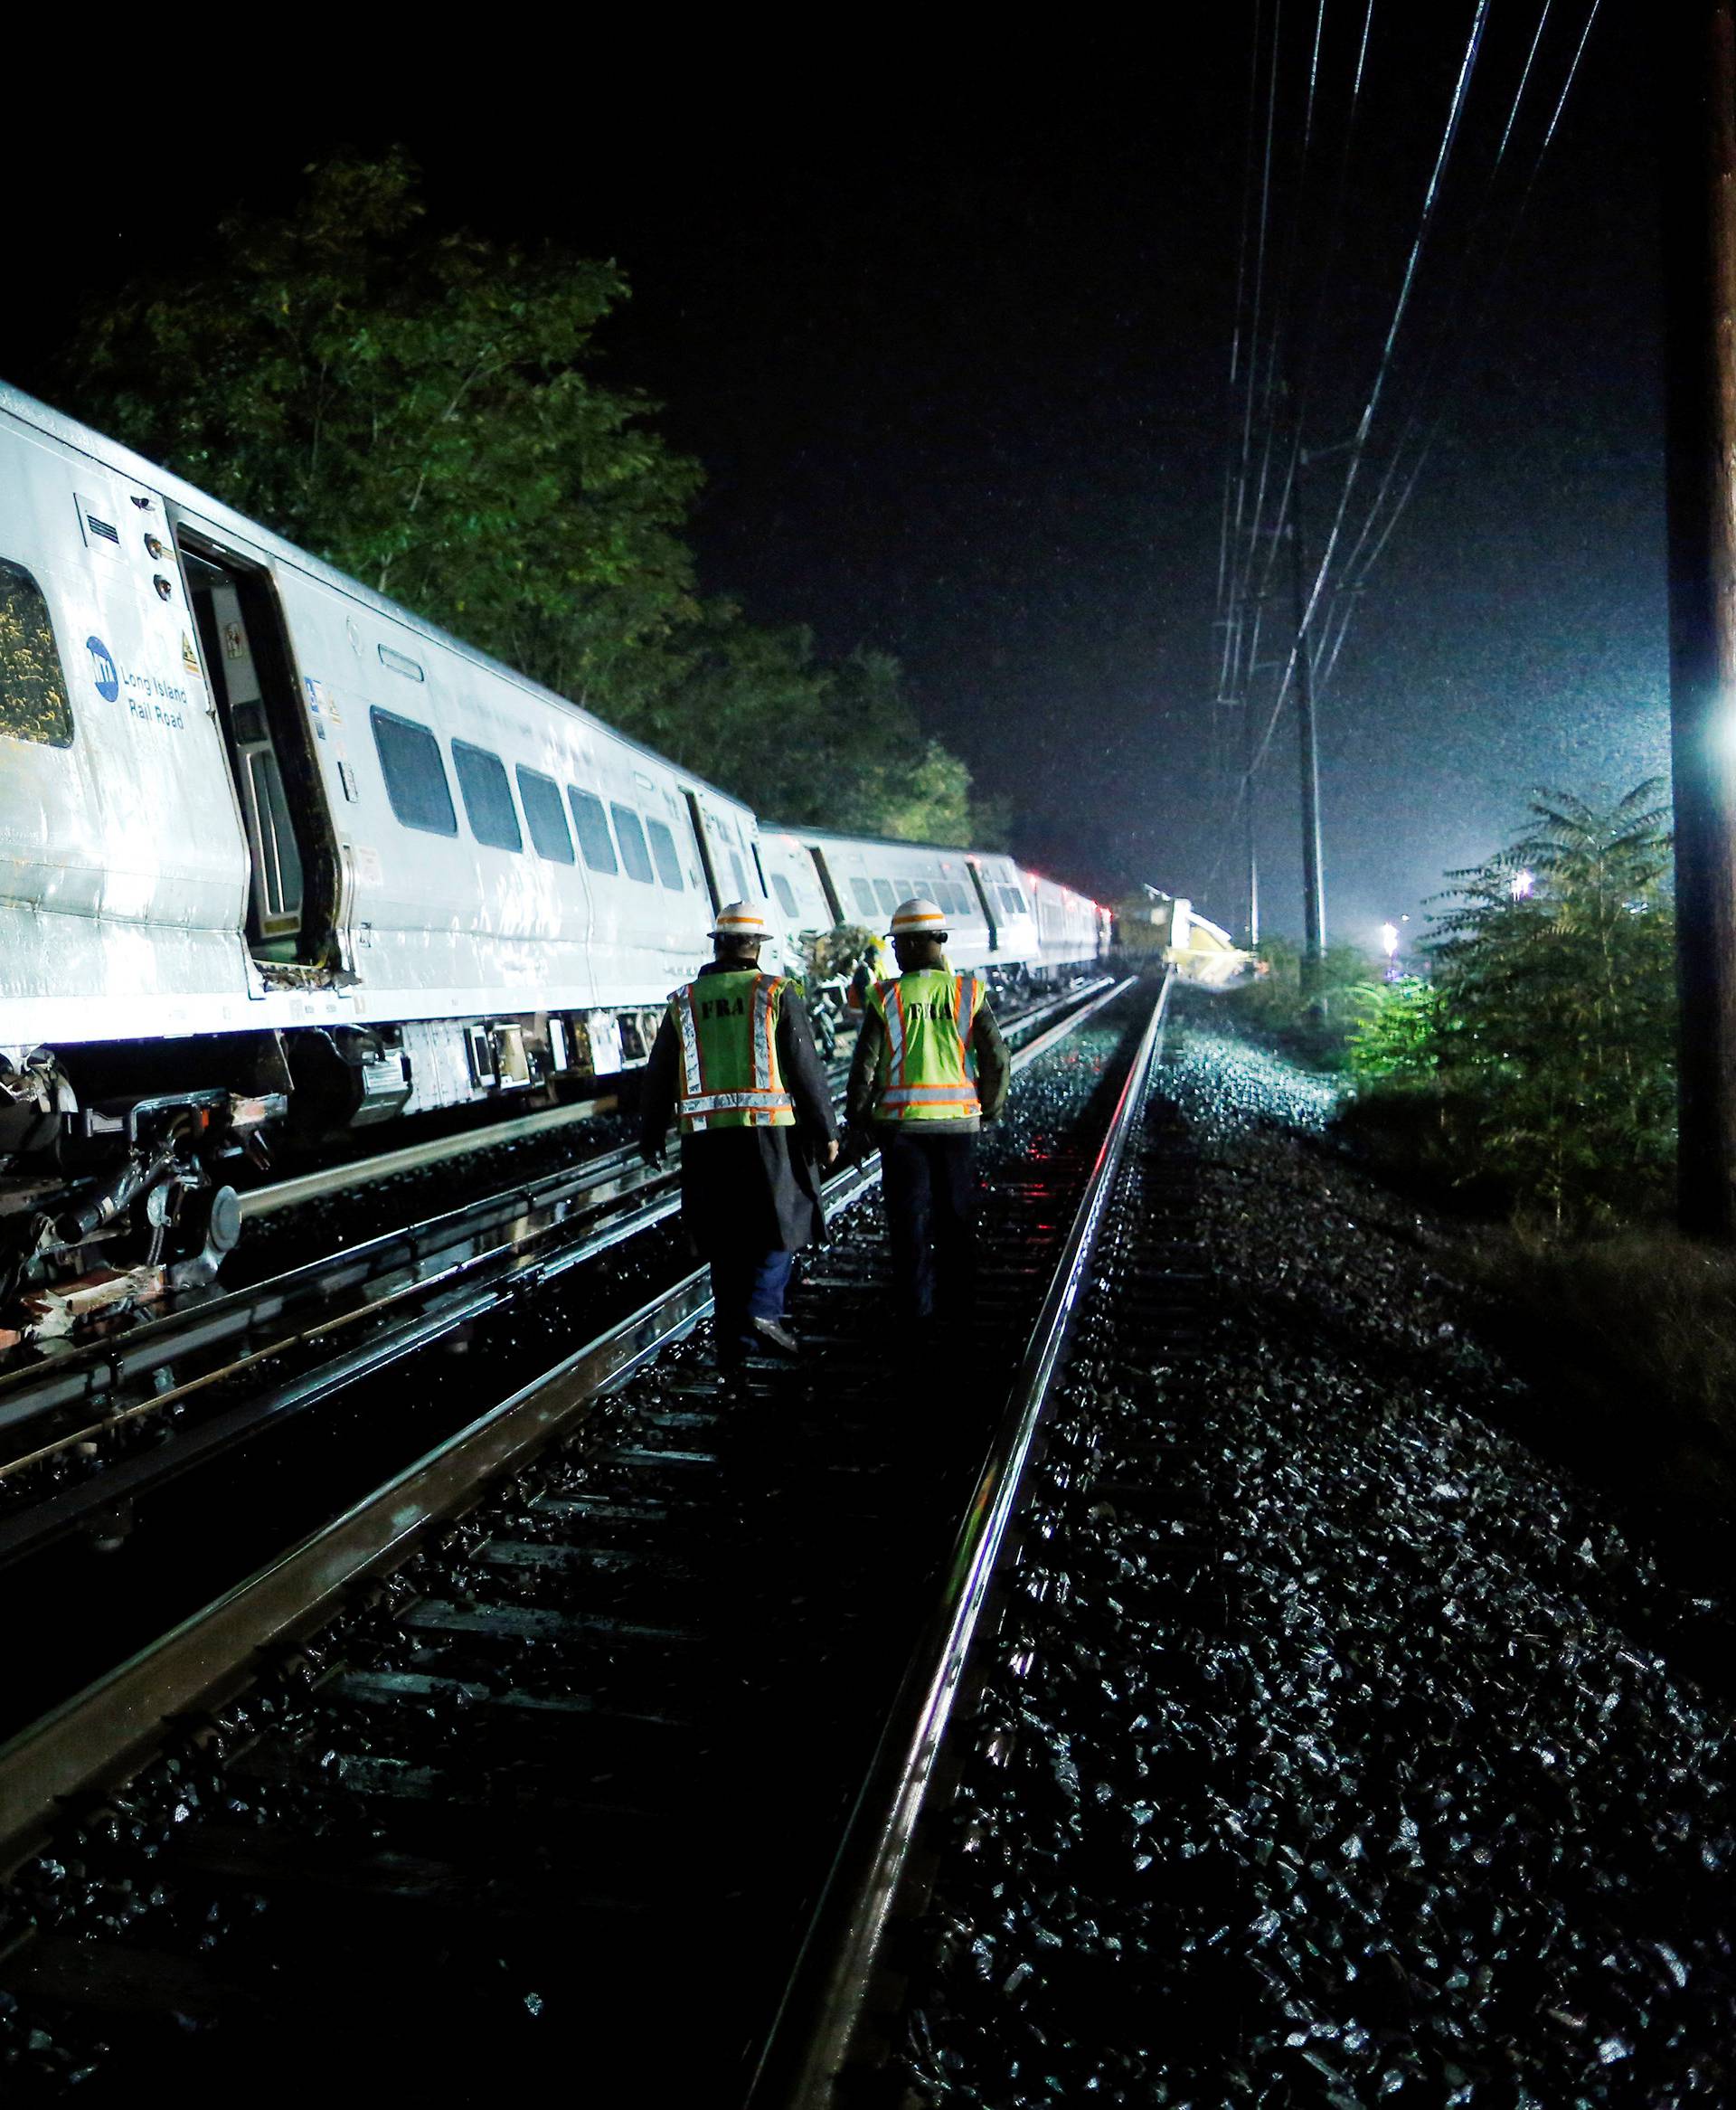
point(1555, 1005)
point(418, 409)
point(422, 410)
point(812, 744)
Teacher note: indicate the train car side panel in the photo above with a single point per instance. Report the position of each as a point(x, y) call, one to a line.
point(122, 865)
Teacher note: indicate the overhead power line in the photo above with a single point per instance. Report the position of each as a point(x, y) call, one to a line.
point(1278, 333)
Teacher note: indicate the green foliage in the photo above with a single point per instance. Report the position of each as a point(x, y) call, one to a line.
point(1554, 1028)
point(1313, 1022)
point(823, 746)
point(1397, 1032)
point(422, 408)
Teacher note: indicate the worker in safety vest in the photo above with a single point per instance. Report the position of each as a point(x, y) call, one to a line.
point(930, 1068)
point(733, 1064)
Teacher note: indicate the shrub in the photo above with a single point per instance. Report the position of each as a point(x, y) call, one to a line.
point(1550, 1026)
point(1396, 1036)
point(1316, 1026)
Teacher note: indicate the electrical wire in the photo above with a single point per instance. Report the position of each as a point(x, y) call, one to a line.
point(1358, 565)
point(1431, 197)
point(1376, 532)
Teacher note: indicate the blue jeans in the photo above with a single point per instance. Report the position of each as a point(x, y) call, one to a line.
point(747, 1286)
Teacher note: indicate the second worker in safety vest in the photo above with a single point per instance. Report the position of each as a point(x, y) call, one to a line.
point(931, 1068)
point(734, 1064)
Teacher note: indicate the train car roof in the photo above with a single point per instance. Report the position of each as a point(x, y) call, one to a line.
point(122, 461)
point(874, 842)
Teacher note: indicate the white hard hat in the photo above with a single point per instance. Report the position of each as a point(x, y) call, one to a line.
point(919, 918)
point(740, 919)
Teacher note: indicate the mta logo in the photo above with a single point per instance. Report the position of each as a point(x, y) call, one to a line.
point(103, 671)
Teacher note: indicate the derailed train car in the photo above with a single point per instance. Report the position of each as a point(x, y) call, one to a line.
point(1013, 925)
point(1154, 928)
point(271, 849)
point(278, 855)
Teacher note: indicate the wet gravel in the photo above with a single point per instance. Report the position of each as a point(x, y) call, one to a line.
point(506, 1946)
point(1333, 1754)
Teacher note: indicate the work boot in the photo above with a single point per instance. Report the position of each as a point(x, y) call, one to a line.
point(776, 1336)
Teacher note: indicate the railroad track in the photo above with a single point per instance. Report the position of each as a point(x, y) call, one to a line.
point(79, 1427)
point(842, 2037)
point(553, 1683)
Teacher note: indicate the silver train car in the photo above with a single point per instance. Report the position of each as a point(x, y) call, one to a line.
point(836, 882)
point(1012, 924)
point(274, 850)
point(279, 858)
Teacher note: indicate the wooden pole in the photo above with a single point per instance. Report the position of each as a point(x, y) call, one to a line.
point(1314, 894)
point(1699, 236)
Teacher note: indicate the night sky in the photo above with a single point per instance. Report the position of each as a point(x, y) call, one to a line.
point(947, 321)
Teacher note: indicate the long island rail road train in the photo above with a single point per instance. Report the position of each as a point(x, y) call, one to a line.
point(279, 858)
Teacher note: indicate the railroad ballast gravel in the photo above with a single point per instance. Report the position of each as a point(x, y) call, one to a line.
point(1331, 1758)
point(144, 1882)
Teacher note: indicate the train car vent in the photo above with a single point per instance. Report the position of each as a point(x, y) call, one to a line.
point(101, 537)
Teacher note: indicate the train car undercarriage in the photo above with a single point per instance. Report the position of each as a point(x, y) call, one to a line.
point(117, 1159)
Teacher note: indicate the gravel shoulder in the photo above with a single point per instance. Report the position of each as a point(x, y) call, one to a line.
point(1334, 1753)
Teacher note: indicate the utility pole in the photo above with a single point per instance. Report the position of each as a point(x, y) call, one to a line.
point(1699, 236)
point(1313, 896)
point(1250, 840)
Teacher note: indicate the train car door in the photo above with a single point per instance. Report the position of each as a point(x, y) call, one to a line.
point(995, 916)
point(721, 847)
point(292, 899)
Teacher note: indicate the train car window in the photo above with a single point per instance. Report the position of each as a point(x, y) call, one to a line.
point(590, 824)
point(32, 688)
point(410, 761)
point(865, 894)
point(786, 894)
point(541, 798)
point(663, 852)
point(630, 835)
point(487, 797)
point(741, 871)
point(884, 896)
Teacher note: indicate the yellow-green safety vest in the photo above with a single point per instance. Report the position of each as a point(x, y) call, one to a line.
point(727, 1025)
point(927, 1070)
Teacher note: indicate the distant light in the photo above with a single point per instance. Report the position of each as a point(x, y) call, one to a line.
point(1390, 939)
point(1522, 886)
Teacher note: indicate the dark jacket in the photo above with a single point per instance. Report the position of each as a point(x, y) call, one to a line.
point(748, 1189)
point(994, 1075)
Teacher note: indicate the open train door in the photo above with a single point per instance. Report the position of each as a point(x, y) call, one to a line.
point(294, 893)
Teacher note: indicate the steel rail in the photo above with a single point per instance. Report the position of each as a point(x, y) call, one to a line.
point(824, 2034)
point(94, 1373)
point(306, 1187)
point(99, 1735)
